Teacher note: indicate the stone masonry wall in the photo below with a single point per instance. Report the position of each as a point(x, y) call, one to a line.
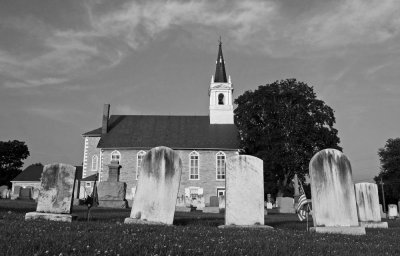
point(207, 168)
point(90, 149)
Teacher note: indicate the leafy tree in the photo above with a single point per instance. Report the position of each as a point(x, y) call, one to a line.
point(11, 155)
point(389, 157)
point(284, 124)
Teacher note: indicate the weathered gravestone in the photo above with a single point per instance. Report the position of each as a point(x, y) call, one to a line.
point(2, 188)
point(55, 193)
point(392, 211)
point(285, 205)
point(332, 193)
point(368, 208)
point(181, 204)
point(244, 192)
point(157, 188)
point(111, 193)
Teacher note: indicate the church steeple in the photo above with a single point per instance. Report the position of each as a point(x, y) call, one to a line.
point(220, 73)
point(220, 92)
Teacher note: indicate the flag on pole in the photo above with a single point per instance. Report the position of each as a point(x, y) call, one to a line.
point(301, 206)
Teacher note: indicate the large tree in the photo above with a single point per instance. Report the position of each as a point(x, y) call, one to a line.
point(389, 157)
point(11, 155)
point(284, 124)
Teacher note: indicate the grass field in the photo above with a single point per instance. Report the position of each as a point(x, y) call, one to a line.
point(192, 234)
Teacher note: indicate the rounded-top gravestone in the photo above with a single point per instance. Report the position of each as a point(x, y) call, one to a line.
point(332, 193)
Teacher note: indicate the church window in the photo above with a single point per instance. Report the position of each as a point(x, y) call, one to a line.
point(140, 157)
point(194, 166)
point(116, 156)
point(220, 161)
point(221, 99)
point(95, 161)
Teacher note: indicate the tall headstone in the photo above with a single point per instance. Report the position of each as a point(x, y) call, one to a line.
point(368, 208)
point(157, 188)
point(332, 193)
point(244, 192)
point(111, 193)
point(55, 193)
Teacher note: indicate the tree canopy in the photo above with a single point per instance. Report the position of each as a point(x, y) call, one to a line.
point(11, 155)
point(284, 124)
point(389, 157)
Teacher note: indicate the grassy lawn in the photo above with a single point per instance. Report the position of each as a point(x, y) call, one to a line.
point(192, 234)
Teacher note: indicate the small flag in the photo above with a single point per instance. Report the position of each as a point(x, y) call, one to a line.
point(301, 211)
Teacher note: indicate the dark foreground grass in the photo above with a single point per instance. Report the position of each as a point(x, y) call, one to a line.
point(192, 234)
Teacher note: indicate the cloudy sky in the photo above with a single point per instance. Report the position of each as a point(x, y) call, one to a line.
point(60, 61)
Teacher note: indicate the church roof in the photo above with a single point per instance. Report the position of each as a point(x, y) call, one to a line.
point(177, 132)
point(220, 73)
point(34, 173)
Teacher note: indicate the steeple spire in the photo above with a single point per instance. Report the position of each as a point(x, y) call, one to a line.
point(220, 73)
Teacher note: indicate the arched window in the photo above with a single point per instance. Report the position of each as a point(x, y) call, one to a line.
point(95, 162)
point(220, 163)
point(140, 156)
point(194, 173)
point(221, 99)
point(116, 156)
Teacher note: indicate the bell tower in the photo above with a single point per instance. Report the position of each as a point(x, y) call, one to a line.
point(220, 92)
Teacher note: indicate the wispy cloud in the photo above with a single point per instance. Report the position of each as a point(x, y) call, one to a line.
point(35, 83)
point(263, 26)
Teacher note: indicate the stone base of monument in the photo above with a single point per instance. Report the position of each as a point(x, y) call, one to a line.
point(373, 224)
point(211, 209)
point(113, 203)
point(50, 216)
point(182, 209)
point(246, 226)
point(339, 230)
point(143, 222)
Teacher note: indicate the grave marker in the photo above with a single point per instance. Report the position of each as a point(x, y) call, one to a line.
point(244, 202)
point(157, 188)
point(368, 208)
point(55, 193)
point(332, 193)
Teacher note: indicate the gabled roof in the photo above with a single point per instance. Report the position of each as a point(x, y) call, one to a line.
point(220, 73)
point(177, 132)
point(33, 173)
point(93, 133)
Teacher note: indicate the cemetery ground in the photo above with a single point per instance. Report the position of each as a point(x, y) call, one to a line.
point(193, 233)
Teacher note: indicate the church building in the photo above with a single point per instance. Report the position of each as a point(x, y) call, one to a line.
point(203, 142)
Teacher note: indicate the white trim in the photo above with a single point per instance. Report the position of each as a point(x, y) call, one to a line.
point(194, 153)
point(220, 188)
point(141, 153)
point(116, 152)
point(85, 158)
point(101, 165)
point(220, 153)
